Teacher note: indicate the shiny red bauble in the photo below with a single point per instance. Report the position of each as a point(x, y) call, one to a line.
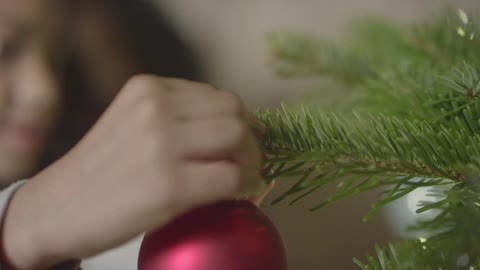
point(229, 235)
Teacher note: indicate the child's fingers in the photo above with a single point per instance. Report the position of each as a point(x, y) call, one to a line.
point(259, 128)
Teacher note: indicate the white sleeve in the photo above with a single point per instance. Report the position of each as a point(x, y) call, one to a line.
point(5, 195)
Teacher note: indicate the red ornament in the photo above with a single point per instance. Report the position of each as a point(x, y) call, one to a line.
point(229, 235)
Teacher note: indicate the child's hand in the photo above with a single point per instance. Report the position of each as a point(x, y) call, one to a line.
point(163, 147)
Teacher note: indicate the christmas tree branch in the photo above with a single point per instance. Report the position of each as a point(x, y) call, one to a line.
point(301, 55)
point(416, 124)
point(454, 245)
point(320, 148)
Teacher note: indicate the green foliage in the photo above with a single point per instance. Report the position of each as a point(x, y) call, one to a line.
point(415, 124)
point(297, 54)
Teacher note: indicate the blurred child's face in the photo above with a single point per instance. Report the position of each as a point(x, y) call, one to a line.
point(29, 91)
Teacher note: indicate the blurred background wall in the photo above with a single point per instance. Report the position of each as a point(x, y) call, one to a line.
point(229, 38)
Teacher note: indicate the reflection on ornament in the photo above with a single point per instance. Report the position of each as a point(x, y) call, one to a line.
point(229, 235)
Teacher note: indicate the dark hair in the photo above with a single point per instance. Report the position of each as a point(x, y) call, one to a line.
point(155, 45)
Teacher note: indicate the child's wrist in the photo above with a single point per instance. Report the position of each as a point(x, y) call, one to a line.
point(16, 252)
point(25, 245)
